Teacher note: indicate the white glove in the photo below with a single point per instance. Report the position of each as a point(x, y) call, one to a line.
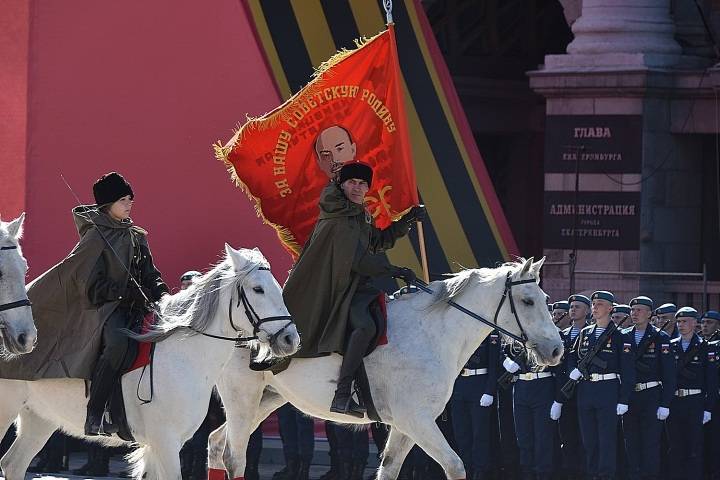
point(556, 410)
point(621, 409)
point(486, 400)
point(510, 366)
point(707, 416)
point(575, 374)
point(663, 413)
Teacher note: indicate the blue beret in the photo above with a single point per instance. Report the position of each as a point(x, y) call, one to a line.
point(687, 312)
point(603, 295)
point(579, 298)
point(642, 300)
point(621, 309)
point(666, 308)
point(712, 314)
point(561, 305)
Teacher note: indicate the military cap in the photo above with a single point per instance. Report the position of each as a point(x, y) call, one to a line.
point(603, 295)
point(666, 308)
point(561, 305)
point(642, 300)
point(687, 312)
point(712, 314)
point(621, 308)
point(579, 298)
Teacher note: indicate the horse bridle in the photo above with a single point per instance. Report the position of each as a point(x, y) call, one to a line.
point(254, 319)
point(507, 293)
point(19, 303)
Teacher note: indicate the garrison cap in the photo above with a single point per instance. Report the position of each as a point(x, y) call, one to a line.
point(603, 295)
point(561, 305)
point(642, 300)
point(579, 298)
point(621, 308)
point(666, 308)
point(687, 312)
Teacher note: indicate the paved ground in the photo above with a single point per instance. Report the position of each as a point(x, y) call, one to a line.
point(271, 462)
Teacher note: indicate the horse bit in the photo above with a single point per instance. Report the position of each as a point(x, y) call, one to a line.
point(20, 303)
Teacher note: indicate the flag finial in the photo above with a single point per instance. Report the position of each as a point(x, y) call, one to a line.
point(388, 11)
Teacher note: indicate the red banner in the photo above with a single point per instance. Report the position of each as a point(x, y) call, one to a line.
point(352, 110)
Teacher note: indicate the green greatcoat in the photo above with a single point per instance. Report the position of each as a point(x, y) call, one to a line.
point(343, 252)
point(69, 325)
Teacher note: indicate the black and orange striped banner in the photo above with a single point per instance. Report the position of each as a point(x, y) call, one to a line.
point(466, 226)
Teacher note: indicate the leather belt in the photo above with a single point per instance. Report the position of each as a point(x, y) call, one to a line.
point(686, 392)
point(534, 376)
point(639, 387)
point(469, 372)
point(599, 377)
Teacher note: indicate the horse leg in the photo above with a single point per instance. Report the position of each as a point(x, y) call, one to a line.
point(14, 395)
point(32, 434)
point(429, 437)
point(163, 456)
point(216, 447)
point(397, 447)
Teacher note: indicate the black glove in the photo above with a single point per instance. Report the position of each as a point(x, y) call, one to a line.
point(416, 214)
point(407, 275)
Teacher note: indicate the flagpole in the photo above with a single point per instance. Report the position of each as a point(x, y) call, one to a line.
point(423, 253)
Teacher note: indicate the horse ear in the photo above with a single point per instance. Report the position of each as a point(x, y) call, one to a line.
point(526, 266)
point(537, 266)
point(15, 228)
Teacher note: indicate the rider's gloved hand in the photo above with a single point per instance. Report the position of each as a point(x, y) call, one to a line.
point(404, 273)
point(416, 214)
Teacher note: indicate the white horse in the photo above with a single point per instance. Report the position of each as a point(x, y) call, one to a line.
point(17, 328)
point(238, 295)
point(411, 378)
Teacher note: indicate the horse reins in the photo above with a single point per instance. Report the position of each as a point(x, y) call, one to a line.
point(507, 293)
point(252, 316)
point(20, 303)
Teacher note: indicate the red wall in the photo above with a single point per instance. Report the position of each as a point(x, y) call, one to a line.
point(143, 88)
point(13, 105)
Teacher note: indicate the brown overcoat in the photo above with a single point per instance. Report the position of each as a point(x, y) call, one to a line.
point(344, 248)
point(69, 325)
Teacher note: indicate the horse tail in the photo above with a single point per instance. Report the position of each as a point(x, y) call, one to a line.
point(141, 463)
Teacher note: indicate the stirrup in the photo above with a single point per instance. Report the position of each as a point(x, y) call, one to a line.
point(350, 408)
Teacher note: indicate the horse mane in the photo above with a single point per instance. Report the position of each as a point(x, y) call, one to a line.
point(194, 308)
point(456, 282)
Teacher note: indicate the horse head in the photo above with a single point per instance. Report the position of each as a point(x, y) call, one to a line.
point(17, 327)
point(523, 311)
point(258, 303)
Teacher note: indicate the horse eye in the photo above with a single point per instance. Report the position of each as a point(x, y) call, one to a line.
point(258, 290)
point(528, 302)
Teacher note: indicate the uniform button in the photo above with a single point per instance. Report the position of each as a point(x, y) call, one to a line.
point(120, 298)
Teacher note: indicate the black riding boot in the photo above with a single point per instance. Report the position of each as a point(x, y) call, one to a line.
point(101, 388)
point(289, 472)
point(343, 401)
point(358, 468)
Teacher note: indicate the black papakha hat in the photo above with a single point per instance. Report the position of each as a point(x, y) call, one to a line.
point(359, 170)
point(110, 188)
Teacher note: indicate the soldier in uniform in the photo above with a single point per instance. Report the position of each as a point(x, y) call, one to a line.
point(695, 396)
point(573, 454)
point(654, 389)
point(665, 314)
point(710, 322)
point(533, 394)
point(473, 394)
point(560, 312)
point(601, 396)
